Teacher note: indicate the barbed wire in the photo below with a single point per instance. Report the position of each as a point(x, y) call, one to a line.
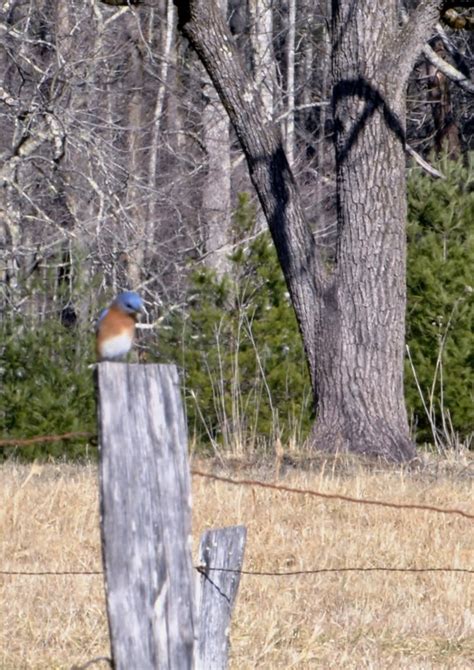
point(252, 573)
point(41, 439)
point(318, 571)
point(330, 496)
point(255, 482)
point(50, 573)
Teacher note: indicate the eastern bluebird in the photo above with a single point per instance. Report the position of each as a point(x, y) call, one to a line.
point(116, 326)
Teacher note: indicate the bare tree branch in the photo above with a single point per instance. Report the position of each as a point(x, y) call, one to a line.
point(424, 164)
point(448, 70)
point(453, 51)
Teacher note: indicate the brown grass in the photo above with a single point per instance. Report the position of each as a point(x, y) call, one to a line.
point(49, 521)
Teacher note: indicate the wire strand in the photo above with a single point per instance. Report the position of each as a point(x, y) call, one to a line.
point(330, 496)
point(49, 573)
point(254, 573)
point(15, 442)
point(318, 571)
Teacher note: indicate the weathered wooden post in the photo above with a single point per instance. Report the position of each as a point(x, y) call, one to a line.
point(145, 517)
point(221, 554)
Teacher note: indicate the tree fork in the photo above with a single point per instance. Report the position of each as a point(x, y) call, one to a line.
point(351, 319)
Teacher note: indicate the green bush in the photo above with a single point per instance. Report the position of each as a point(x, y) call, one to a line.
point(46, 387)
point(440, 302)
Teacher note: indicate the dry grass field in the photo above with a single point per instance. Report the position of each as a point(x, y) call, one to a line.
point(49, 521)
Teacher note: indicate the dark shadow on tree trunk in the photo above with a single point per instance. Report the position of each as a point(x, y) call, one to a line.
point(374, 101)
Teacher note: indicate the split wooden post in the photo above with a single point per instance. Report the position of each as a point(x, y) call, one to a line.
point(145, 517)
point(221, 554)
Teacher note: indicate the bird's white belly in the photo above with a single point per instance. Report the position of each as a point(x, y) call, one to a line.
point(116, 346)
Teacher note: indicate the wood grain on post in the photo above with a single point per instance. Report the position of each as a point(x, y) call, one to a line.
point(145, 517)
point(221, 555)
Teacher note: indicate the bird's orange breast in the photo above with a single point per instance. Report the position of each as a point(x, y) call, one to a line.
point(115, 324)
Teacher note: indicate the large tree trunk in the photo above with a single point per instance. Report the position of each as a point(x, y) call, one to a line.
point(359, 363)
point(351, 318)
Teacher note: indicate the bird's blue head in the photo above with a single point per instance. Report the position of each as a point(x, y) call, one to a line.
point(129, 302)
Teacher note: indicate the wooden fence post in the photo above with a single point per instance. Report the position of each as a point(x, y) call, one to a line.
point(221, 554)
point(145, 517)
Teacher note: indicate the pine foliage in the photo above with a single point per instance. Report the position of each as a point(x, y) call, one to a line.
point(46, 387)
point(441, 302)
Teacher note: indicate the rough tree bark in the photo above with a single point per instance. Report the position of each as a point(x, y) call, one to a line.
point(261, 39)
point(290, 83)
point(216, 193)
point(264, 67)
point(352, 316)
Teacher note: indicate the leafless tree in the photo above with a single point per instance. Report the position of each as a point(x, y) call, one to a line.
point(99, 155)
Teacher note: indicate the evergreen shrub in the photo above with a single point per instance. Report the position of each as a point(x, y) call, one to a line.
point(440, 309)
point(46, 387)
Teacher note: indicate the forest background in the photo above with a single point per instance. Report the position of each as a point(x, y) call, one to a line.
point(120, 170)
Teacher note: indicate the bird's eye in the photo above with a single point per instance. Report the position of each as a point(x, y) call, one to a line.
point(131, 306)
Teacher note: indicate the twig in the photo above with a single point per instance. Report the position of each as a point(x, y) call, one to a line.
point(424, 164)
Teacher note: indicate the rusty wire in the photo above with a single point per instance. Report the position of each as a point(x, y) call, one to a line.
point(252, 573)
point(329, 496)
point(42, 439)
point(256, 482)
